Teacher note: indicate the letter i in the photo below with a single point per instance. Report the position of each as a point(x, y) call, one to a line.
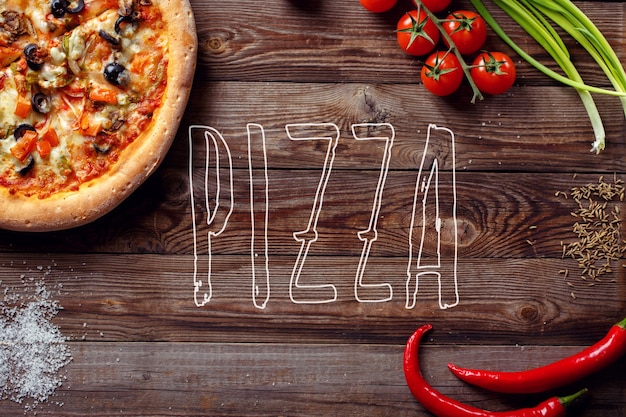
point(259, 216)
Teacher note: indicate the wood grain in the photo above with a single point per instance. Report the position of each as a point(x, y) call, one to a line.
point(239, 42)
point(108, 297)
point(142, 347)
point(199, 379)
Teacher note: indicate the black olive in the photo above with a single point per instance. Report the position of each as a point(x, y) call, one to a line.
point(41, 103)
point(80, 5)
point(21, 129)
point(33, 57)
point(116, 74)
point(59, 7)
point(109, 38)
point(102, 149)
point(25, 169)
point(123, 19)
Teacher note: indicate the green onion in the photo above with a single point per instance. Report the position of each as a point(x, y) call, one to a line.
point(571, 19)
point(528, 17)
point(528, 14)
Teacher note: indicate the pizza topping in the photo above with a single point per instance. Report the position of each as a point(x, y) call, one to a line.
point(14, 24)
point(34, 56)
point(27, 167)
point(57, 55)
point(116, 120)
point(25, 145)
point(129, 7)
point(80, 84)
point(50, 136)
point(41, 103)
point(27, 141)
point(43, 148)
point(102, 148)
point(77, 8)
point(60, 7)
point(75, 47)
point(21, 130)
point(131, 18)
point(116, 74)
point(22, 106)
point(109, 38)
point(100, 94)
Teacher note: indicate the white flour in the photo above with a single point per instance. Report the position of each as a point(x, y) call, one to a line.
point(32, 349)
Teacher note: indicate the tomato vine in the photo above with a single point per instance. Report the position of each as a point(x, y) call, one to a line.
point(463, 33)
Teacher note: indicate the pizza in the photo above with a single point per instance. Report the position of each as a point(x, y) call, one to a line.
point(91, 96)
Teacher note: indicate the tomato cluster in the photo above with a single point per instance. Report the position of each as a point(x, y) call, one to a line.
point(463, 32)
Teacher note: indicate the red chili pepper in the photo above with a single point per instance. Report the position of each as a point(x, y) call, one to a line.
point(554, 375)
point(443, 406)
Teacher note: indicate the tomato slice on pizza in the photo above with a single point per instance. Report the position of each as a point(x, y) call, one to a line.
point(91, 95)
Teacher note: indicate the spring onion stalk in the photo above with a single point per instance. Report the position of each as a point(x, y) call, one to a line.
point(495, 26)
point(527, 15)
point(571, 19)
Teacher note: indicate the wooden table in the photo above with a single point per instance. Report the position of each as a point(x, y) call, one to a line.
point(307, 312)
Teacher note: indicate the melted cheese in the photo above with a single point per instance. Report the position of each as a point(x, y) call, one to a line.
point(8, 101)
point(92, 127)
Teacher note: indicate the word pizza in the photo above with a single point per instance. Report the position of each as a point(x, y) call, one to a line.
point(220, 170)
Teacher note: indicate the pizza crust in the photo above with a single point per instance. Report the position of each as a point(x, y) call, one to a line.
point(137, 162)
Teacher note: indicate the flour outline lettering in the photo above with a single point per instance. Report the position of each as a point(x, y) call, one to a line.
point(310, 235)
point(260, 268)
point(370, 235)
point(427, 187)
point(426, 194)
point(213, 140)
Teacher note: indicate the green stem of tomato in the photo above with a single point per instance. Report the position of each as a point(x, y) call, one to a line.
point(476, 94)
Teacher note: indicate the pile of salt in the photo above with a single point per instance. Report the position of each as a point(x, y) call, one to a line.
point(32, 348)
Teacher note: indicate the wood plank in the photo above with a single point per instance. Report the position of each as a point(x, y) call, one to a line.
point(151, 298)
point(141, 346)
point(493, 135)
point(498, 215)
point(249, 379)
point(237, 41)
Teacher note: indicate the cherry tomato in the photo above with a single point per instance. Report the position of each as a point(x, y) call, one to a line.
point(467, 29)
point(442, 73)
point(378, 6)
point(493, 72)
point(434, 6)
point(417, 34)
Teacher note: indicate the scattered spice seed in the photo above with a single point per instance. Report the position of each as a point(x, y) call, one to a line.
point(597, 227)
